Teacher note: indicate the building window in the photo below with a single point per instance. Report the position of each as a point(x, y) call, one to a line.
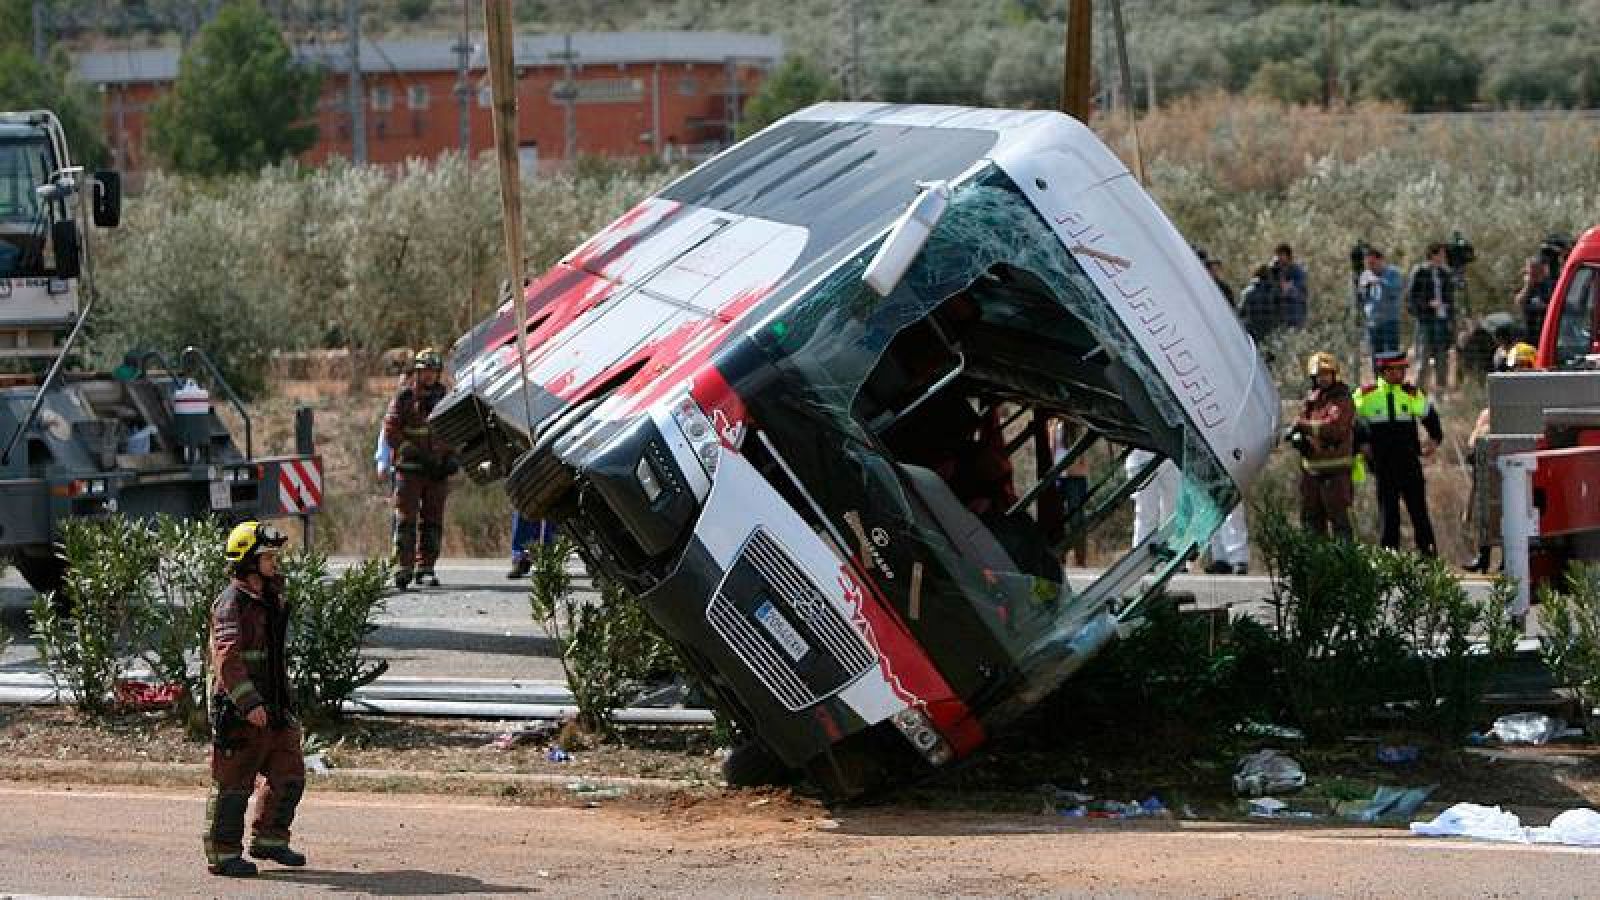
point(417, 96)
point(382, 98)
point(688, 87)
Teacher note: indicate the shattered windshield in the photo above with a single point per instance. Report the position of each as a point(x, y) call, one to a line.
point(904, 421)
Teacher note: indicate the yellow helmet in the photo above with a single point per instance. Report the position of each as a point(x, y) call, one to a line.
point(428, 358)
point(251, 538)
point(1322, 361)
point(1523, 354)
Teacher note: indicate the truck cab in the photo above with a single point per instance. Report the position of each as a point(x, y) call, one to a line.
point(826, 476)
point(141, 441)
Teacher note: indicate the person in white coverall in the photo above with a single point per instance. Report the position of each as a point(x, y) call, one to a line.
point(1158, 500)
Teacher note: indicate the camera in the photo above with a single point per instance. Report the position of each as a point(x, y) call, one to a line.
point(1298, 438)
point(1459, 251)
point(1553, 250)
point(1358, 257)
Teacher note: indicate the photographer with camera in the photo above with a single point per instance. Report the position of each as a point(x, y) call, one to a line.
point(1432, 299)
point(1325, 436)
point(1533, 297)
point(1289, 282)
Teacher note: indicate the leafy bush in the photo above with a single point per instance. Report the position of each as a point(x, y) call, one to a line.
point(173, 626)
point(84, 634)
point(1356, 626)
point(1439, 624)
point(330, 620)
point(609, 647)
point(1570, 643)
point(1334, 652)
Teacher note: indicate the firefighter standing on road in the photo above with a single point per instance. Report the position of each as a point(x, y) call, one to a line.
point(1325, 436)
point(422, 465)
point(253, 730)
point(1388, 414)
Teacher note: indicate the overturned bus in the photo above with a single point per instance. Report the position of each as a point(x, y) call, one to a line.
point(791, 401)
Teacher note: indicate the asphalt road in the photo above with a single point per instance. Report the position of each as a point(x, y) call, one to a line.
point(477, 625)
point(407, 845)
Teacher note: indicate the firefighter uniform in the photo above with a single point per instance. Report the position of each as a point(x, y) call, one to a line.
point(422, 466)
point(1327, 429)
point(249, 672)
point(1387, 414)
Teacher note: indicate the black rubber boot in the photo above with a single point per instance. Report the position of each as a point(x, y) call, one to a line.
point(1479, 563)
point(402, 578)
point(283, 856)
point(520, 568)
point(426, 577)
point(233, 867)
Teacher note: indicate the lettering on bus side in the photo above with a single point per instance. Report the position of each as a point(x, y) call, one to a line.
point(1175, 353)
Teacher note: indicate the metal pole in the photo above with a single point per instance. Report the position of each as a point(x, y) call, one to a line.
point(1127, 89)
point(503, 83)
point(569, 99)
point(463, 82)
point(356, 101)
point(39, 25)
point(655, 111)
point(855, 51)
point(1076, 73)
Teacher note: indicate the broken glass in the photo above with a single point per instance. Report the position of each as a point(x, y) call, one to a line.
point(982, 591)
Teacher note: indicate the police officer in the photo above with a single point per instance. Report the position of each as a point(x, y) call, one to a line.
point(1387, 414)
point(1325, 436)
point(422, 465)
point(253, 730)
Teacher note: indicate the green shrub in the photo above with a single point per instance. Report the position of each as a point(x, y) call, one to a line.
point(173, 627)
point(330, 620)
point(1431, 612)
point(1356, 626)
point(1334, 651)
point(1570, 643)
point(609, 647)
point(84, 634)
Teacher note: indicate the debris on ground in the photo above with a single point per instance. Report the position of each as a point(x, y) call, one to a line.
point(317, 764)
point(1267, 772)
point(1388, 804)
point(1398, 755)
point(557, 755)
point(1575, 827)
point(1265, 730)
point(141, 696)
point(1273, 808)
point(591, 791)
point(533, 733)
point(1526, 728)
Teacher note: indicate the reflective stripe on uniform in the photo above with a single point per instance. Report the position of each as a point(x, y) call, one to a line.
point(253, 655)
point(1390, 403)
point(1323, 466)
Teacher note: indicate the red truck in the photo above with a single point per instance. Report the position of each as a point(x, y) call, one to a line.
point(1545, 440)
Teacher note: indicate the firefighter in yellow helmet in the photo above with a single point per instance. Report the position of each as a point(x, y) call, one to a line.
point(1324, 434)
point(423, 464)
point(254, 735)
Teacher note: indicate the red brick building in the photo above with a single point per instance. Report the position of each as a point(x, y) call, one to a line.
point(632, 94)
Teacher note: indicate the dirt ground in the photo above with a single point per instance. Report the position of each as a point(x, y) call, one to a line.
point(739, 844)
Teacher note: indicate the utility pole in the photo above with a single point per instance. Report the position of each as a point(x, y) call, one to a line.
point(356, 100)
point(39, 14)
point(503, 84)
point(567, 93)
point(855, 50)
point(1330, 90)
point(1077, 70)
point(463, 50)
point(730, 107)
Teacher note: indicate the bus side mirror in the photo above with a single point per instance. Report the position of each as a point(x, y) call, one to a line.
point(906, 239)
point(64, 239)
point(108, 199)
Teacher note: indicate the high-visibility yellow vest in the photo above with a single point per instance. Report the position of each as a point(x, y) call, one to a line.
point(1373, 403)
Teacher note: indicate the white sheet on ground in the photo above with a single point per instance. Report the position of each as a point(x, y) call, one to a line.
point(1575, 827)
